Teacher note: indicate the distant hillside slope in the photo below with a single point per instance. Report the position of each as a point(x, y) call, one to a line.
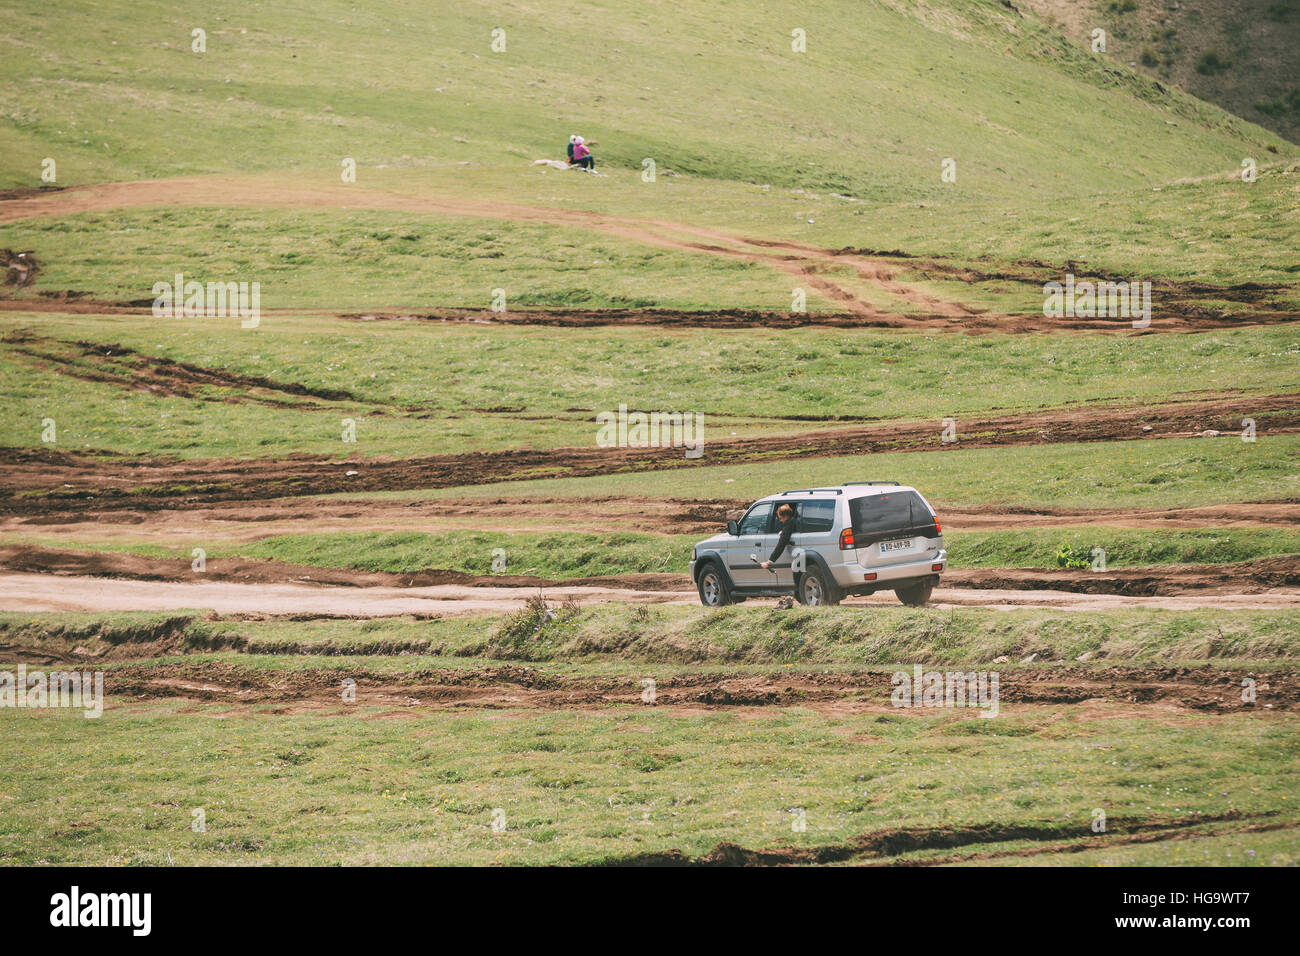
point(1243, 55)
point(886, 90)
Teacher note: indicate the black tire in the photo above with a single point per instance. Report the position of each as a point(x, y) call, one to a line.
point(915, 595)
point(814, 589)
point(712, 585)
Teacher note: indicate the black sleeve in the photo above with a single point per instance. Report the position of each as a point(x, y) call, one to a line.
point(786, 530)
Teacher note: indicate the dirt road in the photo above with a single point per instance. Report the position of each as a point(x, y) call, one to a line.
point(43, 592)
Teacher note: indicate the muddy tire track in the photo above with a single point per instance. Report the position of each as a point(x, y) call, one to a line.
point(860, 315)
point(1121, 831)
point(80, 482)
point(124, 367)
point(1246, 577)
point(1174, 294)
point(256, 519)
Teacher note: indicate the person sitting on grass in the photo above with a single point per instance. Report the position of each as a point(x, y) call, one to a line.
point(582, 155)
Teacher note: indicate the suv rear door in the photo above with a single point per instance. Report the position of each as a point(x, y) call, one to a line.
point(814, 532)
point(891, 527)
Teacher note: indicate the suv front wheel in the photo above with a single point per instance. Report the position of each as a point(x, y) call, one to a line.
point(915, 595)
point(713, 587)
point(814, 589)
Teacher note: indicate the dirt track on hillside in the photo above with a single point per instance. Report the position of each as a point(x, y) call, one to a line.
point(807, 264)
point(82, 483)
point(251, 520)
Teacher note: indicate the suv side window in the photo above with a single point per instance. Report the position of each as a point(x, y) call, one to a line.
point(755, 522)
point(817, 515)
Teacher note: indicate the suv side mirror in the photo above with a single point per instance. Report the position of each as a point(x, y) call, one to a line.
point(733, 528)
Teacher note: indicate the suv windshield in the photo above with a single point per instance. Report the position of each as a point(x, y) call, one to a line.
point(875, 517)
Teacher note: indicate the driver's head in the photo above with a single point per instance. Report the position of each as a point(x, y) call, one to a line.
point(785, 512)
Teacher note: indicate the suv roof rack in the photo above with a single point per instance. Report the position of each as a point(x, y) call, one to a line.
point(872, 483)
point(805, 491)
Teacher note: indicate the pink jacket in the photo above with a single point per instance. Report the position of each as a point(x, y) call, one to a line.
point(580, 150)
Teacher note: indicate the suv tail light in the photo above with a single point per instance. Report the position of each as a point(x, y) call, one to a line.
point(938, 529)
point(846, 539)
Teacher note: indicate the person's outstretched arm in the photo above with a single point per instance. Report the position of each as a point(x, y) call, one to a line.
point(783, 541)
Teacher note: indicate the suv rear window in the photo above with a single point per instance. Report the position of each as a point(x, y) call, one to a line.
point(876, 517)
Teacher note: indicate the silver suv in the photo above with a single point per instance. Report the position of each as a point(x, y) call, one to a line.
point(856, 538)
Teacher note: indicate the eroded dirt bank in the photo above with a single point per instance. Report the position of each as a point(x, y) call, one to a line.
point(1211, 690)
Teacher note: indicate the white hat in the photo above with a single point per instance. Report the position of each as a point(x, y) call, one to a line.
point(578, 139)
point(573, 138)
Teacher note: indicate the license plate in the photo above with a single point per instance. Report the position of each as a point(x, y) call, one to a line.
point(902, 544)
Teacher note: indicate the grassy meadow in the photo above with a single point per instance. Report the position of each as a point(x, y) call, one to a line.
point(975, 149)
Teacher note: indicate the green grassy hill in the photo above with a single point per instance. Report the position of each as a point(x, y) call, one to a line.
point(1063, 157)
point(1241, 54)
point(884, 92)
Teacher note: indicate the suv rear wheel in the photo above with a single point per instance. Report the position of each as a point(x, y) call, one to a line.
point(915, 595)
point(814, 589)
point(713, 587)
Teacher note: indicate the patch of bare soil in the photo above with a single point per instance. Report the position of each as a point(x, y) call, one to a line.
point(84, 482)
point(20, 268)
